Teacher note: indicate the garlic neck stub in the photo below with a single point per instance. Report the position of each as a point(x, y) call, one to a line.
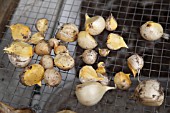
point(94, 25)
point(135, 63)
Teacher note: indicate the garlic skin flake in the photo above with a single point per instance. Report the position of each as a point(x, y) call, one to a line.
point(115, 42)
point(135, 63)
point(90, 93)
point(94, 25)
point(111, 23)
point(88, 74)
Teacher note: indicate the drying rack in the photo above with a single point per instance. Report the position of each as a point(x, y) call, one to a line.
point(130, 15)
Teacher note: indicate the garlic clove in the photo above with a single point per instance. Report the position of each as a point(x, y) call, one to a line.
point(115, 42)
point(111, 23)
point(151, 31)
point(90, 93)
point(135, 63)
point(87, 74)
point(104, 52)
point(86, 41)
point(89, 56)
point(122, 80)
point(94, 25)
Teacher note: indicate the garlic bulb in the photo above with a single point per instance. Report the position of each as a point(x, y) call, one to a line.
point(111, 23)
point(90, 93)
point(87, 74)
point(150, 93)
point(122, 80)
point(135, 63)
point(86, 41)
point(104, 52)
point(152, 31)
point(115, 42)
point(89, 56)
point(94, 25)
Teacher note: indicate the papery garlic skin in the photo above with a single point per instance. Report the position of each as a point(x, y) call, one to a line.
point(90, 93)
point(135, 63)
point(151, 31)
point(115, 42)
point(111, 23)
point(94, 25)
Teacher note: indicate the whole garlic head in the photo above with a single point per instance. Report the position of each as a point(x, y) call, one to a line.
point(150, 93)
point(135, 63)
point(94, 25)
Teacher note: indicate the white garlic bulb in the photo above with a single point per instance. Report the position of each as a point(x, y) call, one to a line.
point(150, 93)
point(152, 31)
point(90, 93)
point(135, 63)
point(94, 25)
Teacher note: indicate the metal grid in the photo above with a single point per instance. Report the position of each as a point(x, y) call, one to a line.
point(130, 15)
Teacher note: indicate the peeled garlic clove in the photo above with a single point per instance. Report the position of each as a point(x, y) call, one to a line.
point(19, 48)
point(89, 56)
point(150, 93)
point(20, 32)
point(104, 52)
point(52, 77)
point(135, 63)
point(94, 25)
point(42, 25)
point(32, 75)
point(111, 23)
point(86, 41)
point(90, 93)
point(68, 32)
point(19, 61)
point(87, 74)
point(36, 38)
point(122, 80)
point(115, 42)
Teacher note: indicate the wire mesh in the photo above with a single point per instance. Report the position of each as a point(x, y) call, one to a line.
point(130, 15)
